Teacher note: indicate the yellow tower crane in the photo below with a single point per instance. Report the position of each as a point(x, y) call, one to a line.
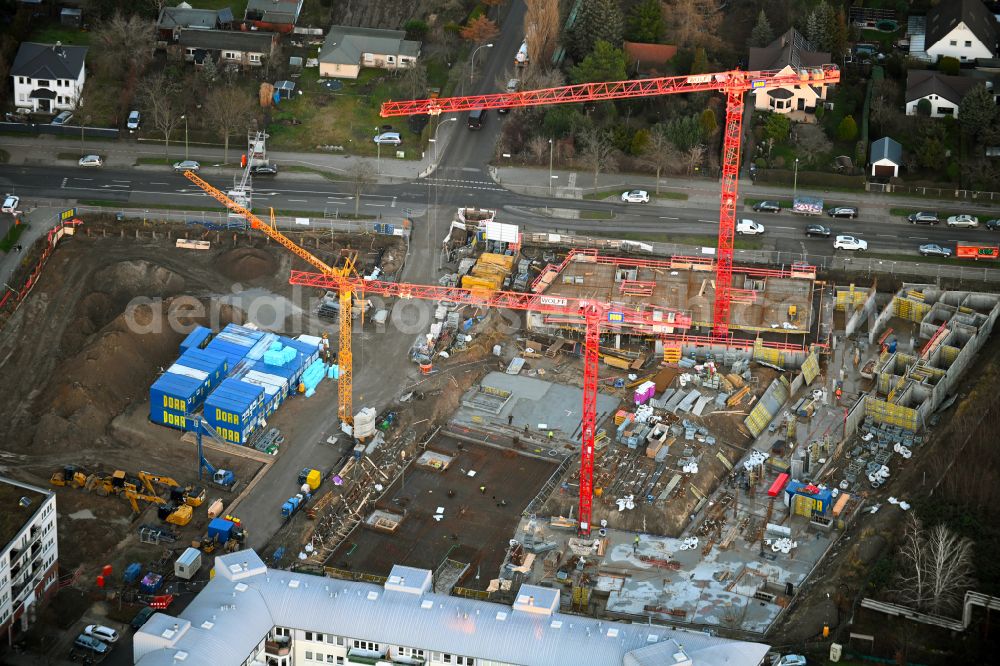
point(345, 383)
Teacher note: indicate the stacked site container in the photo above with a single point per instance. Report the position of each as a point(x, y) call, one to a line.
point(234, 409)
point(196, 339)
point(235, 342)
point(184, 386)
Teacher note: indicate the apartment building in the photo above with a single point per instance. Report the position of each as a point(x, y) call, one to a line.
point(29, 566)
point(250, 615)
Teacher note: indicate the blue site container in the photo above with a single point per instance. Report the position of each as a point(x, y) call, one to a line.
point(221, 529)
point(234, 409)
point(309, 350)
point(215, 364)
point(196, 339)
point(233, 351)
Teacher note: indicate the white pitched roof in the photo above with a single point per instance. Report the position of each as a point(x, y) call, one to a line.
point(430, 621)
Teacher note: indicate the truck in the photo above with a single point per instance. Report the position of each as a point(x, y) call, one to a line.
point(521, 57)
point(311, 478)
point(293, 504)
point(807, 206)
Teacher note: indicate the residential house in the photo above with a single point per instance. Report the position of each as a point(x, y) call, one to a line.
point(29, 553)
point(961, 29)
point(274, 15)
point(789, 53)
point(346, 50)
point(250, 614)
point(228, 47)
point(945, 93)
point(886, 158)
point(648, 59)
point(48, 78)
point(182, 17)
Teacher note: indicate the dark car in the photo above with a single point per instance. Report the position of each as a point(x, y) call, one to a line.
point(264, 170)
point(767, 207)
point(818, 230)
point(934, 250)
point(992, 225)
point(141, 617)
point(923, 218)
point(843, 211)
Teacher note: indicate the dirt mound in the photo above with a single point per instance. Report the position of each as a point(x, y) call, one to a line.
point(137, 277)
point(247, 263)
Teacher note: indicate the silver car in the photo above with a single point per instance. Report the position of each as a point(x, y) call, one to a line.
point(934, 250)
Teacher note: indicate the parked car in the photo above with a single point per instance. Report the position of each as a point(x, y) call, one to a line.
point(391, 138)
point(141, 617)
point(62, 118)
point(767, 207)
point(133, 121)
point(91, 161)
point(635, 196)
point(963, 221)
point(791, 660)
point(90, 643)
point(849, 243)
point(268, 169)
point(749, 227)
point(992, 225)
point(842, 211)
point(923, 218)
point(934, 250)
point(818, 230)
point(100, 632)
point(11, 203)
point(512, 86)
point(187, 165)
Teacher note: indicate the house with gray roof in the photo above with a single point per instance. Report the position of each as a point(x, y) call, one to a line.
point(248, 614)
point(788, 54)
point(182, 17)
point(274, 15)
point(945, 93)
point(886, 158)
point(961, 29)
point(230, 48)
point(346, 50)
point(48, 78)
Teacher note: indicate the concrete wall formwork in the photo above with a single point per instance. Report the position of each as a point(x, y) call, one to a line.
point(862, 313)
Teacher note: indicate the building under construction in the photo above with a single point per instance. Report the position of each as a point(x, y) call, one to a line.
point(773, 303)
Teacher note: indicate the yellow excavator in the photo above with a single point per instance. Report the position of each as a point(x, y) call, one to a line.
point(69, 476)
point(191, 496)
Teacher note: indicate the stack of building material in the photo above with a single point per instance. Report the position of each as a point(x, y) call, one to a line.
point(489, 272)
point(644, 392)
point(312, 376)
point(364, 423)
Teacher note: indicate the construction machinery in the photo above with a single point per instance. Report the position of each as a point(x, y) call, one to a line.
point(223, 478)
point(346, 269)
point(192, 496)
point(69, 476)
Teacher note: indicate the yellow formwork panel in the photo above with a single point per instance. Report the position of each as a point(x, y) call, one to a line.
point(850, 296)
point(810, 368)
point(671, 354)
point(758, 419)
point(915, 295)
point(762, 353)
point(884, 383)
point(886, 412)
point(949, 354)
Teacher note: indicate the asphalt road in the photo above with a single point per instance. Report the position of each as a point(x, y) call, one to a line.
point(438, 194)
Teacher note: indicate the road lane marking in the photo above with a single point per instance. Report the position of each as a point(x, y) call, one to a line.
point(376, 205)
point(299, 200)
point(709, 221)
point(159, 183)
point(919, 238)
point(121, 181)
point(785, 228)
point(670, 218)
point(393, 203)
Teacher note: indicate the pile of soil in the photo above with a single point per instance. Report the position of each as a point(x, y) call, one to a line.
point(247, 263)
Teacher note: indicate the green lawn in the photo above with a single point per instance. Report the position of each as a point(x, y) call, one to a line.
point(10, 238)
point(298, 168)
point(952, 261)
point(347, 118)
point(680, 239)
point(596, 215)
point(53, 32)
point(785, 203)
point(4, 156)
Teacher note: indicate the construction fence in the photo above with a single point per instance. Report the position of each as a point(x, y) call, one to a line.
point(933, 192)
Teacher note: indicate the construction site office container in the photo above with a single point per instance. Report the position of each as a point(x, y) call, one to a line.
point(177, 392)
point(234, 409)
point(196, 339)
point(213, 363)
point(188, 564)
point(233, 352)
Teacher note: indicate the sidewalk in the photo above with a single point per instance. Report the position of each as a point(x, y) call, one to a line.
point(701, 191)
point(39, 221)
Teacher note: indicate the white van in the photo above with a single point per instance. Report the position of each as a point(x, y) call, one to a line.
point(749, 227)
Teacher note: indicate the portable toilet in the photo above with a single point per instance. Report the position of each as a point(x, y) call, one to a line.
point(188, 563)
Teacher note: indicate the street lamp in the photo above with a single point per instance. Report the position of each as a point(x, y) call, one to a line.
point(795, 179)
point(550, 167)
point(378, 158)
point(472, 70)
point(434, 140)
point(185, 119)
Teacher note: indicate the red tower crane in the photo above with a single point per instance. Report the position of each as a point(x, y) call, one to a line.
point(734, 84)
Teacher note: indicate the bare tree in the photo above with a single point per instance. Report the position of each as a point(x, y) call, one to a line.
point(598, 151)
point(695, 155)
point(228, 111)
point(694, 22)
point(362, 176)
point(414, 80)
point(160, 97)
point(537, 146)
point(735, 613)
point(123, 45)
point(936, 567)
point(660, 152)
point(541, 27)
